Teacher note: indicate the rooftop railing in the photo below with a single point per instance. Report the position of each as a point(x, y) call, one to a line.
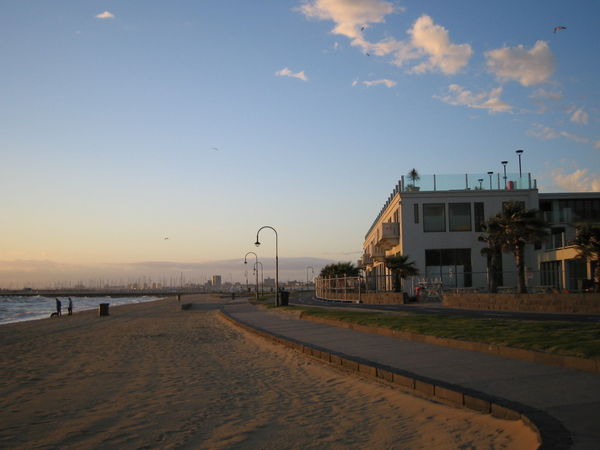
point(459, 182)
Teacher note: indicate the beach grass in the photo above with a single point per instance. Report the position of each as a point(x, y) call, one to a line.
point(581, 339)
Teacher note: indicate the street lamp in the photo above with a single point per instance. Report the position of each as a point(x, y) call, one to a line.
point(262, 275)
point(504, 163)
point(490, 175)
point(257, 243)
point(480, 181)
point(519, 152)
point(313, 272)
point(246, 262)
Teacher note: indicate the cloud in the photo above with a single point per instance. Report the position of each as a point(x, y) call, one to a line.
point(542, 98)
point(580, 116)
point(597, 144)
point(544, 132)
point(285, 72)
point(578, 181)
point(459, 96)
point(428, 40)
point(528, 67)
point(105, 15)
point(384, 81)
point(349, 15)
point(433, 40)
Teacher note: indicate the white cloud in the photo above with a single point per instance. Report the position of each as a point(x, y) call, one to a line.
point(349, 15)
point(578, 181)
point(428, 40)
point(105, 15)
point(285, 72)
point(491, 101)
point(544, 99)
point(384, 81)
point(544, 132)
point(580, 116)
point(433, 40)
point(528, 67)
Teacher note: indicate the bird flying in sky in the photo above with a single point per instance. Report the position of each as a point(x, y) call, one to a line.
point(215, 149)
point(558, 28)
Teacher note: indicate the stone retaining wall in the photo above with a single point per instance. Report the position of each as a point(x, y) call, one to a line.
point(586, 303)
point(372, 298)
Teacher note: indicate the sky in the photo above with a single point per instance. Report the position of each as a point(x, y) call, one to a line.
point(124, 123)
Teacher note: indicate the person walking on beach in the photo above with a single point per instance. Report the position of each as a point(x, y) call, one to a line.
point(58, 307)
point(70, 307)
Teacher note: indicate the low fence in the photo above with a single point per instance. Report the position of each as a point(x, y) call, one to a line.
point(379, 289)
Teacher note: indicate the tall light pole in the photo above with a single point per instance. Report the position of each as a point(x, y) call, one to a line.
point(246, 262)
point(313, 272)
point(490, 175)
point(480, 181)
point(519, 153)
point(504, 163)
point(257, 243)
point(262, 275)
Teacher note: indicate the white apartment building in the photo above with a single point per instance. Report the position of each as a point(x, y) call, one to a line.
point(437, 223)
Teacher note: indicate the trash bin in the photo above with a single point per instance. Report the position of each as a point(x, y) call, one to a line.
point(104, 309)
point(284, 297)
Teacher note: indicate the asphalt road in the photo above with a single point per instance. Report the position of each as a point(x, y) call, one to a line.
point(436, 308)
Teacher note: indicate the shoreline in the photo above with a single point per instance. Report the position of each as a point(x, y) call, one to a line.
point(77, 309)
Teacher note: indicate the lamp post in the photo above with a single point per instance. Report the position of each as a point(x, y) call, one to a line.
point(504, 163)
point(246, 262)
point(257, 243)
point(490, 175)
point(480, 181)
point(519, 153)
point(313, 272)
point(262, 275)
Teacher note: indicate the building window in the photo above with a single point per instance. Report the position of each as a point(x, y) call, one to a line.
point(479, 215)
point(450, 265)
point(459, 216)
point(416, 212)
point(434, 217)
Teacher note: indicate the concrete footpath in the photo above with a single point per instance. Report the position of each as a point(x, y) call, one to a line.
point(563, 404)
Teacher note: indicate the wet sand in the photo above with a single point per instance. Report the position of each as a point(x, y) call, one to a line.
point(153, 376)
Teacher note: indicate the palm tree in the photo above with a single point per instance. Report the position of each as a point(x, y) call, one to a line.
point(512, 229)
point(338, 270)
point(493, 253)
point(401, 268)
point(587, 243)
point(413, 176)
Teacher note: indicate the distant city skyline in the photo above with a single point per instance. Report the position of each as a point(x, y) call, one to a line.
point(150, 131)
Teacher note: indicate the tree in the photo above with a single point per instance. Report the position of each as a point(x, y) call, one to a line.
point(338, 270)
point(401, 268)
point(493, 253)
point(413, 176)
point(512, 229)
point(587, 243)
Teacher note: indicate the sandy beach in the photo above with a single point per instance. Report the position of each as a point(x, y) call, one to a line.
point(153, 376)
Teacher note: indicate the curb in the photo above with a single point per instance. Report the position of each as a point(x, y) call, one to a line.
point(566, 362)
point(551, 433)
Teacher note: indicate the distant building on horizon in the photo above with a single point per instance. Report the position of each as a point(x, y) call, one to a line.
point(216, 281)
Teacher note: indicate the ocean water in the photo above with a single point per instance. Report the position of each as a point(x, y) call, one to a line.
point(19, 309)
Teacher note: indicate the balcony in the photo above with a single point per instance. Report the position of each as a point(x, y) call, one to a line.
point(388, 235)
point(365, 260)
point(378, 254)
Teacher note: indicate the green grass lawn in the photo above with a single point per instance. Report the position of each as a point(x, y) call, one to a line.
point(565, 338)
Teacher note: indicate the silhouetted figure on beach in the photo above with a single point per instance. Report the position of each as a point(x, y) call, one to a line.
point(58, 307)
point(70, 307)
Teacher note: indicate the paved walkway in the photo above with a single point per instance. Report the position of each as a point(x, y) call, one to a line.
point(565, 404)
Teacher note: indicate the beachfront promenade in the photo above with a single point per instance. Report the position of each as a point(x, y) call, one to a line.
point(564, 404)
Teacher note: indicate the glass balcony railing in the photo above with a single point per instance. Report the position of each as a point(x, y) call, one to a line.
point(468, 181)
